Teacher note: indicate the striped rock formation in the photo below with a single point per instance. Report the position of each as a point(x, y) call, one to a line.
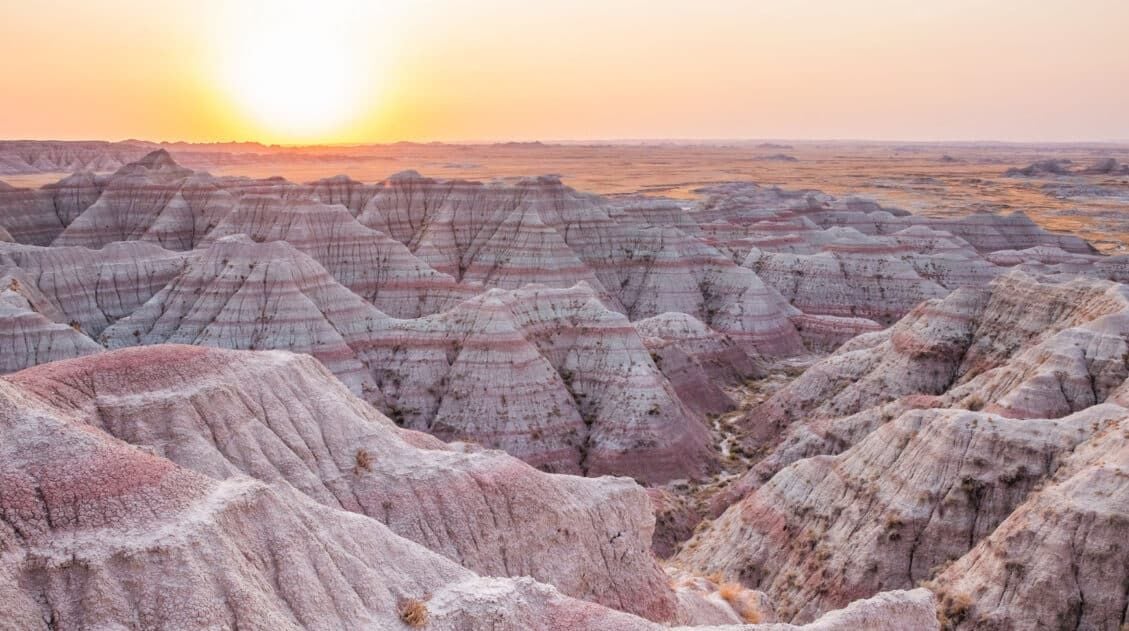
point(698, 361)
point(369, 263)
point(550, 375)
point(996, 348)
point(235, 510)
point(30, 330)
point(92, 289)
point(921, 491)
point(245, 295)
point(747, 204)
point(979, 444)
point(33, 156)
point(37, 216)
point(539, 231)
point(1060, 558)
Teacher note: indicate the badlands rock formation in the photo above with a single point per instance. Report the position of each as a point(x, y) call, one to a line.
point(970, 445)
point(551, 375)
point(369, 263)
point(1060, 167)
point(192, 488)
point(540, 231)
point(29, 331)
point(68, 157)
point(966, 431)
point(246, 295)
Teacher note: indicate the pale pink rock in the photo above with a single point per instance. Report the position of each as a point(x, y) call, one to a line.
point(1057, 560)
point(100, 532)
point(284, 419)
point(698, 361)
point(916, 493)
point(370, 264)
point(245, 295)
point(541, 231)
point(551, 375)
point(29, 332)
point(94, 288)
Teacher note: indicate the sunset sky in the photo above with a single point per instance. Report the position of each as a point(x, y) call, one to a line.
point(351, 71)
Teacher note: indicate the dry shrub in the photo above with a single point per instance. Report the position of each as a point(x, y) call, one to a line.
point(414, 613)
point(953, 609)
point(362, 461)
point(743, 601)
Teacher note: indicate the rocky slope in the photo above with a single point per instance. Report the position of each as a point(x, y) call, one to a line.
point(246, 295)
point(238, 508)
point(29, 331)
point(368, 263)
point(582, 393)
point(539, 231)
point(551, 375)
point(92, 289)
point(939, 450)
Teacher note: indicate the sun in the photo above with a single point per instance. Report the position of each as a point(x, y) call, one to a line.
point(294, 73)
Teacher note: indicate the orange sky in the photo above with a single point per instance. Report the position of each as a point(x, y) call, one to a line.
point(351, 71)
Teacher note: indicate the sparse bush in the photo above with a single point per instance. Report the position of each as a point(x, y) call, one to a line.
point(414, 613)
point(743, 601)
point(953, 609)
point(974, 403)
point(362, 461)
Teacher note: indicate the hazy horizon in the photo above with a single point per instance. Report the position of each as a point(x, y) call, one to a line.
point(347, 72)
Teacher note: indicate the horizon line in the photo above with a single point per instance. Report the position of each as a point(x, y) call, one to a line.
point(603, 141)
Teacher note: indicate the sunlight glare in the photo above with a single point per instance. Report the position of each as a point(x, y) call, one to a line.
point(293, 70)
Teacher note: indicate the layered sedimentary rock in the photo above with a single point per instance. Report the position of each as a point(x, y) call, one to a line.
point(541, 231)
point(641, 257)
point(499, 235)
point(698, 361)
point(877, 287)
point(102, 533)
point(979, 444)
point(153, 199)
point(997, 348)
point(238, 509)
point(1057, 560)
point(581, 392)
point(370, 264)
point(30, 330)
point(18, 156)
point(284, 419)
point(551, 376)
point(246, 295)
point(748, 207)
point(92, 289)
point(343, 190)
point(915, 494)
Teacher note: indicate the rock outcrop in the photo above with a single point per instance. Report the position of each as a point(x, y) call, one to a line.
point(245, 295)
point(978, 445)
point(370, 264)
point(30, 332)
point(539, 231)
point(698, 361)
point(92, 289)
point(250, 505)
point(917, 493)
point(551, 375)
